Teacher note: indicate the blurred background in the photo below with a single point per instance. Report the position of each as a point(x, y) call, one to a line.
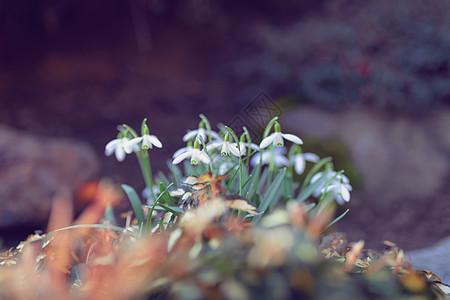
point(367, 82)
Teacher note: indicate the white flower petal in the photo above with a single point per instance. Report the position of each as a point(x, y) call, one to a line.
point(292, 138)
point(120, 154)
point(255, 159)
point(191, 134)
point(153, 139)
point(278, 140)
point(253, 146)
point(345, 194)
point(110, 147)
point(316, 177)
point(181, 157)
point(213, 146)
point(267, 141)
point(204, 157)
point(281, 161)
point(225, 150)
point(233, 149)
point(131, 145)
point(181, 150)
point(311, 157)
point(299, 164)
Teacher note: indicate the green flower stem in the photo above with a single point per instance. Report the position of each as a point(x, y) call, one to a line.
point(241, 174)
point(144, 163)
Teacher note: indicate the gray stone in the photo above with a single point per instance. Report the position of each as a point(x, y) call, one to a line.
point(33, 169)
point(397, 158)
point(435, 259)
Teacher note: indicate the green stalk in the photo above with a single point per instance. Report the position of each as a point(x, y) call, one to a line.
point(241, 175)
point(144, 163)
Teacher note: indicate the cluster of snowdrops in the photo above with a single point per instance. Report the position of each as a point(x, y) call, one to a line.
point(236, 221)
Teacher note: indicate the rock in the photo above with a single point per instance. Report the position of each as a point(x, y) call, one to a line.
point(33, 169)
point(398, 158)
point(435, 259)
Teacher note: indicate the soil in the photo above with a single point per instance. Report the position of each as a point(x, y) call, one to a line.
point(81, 80)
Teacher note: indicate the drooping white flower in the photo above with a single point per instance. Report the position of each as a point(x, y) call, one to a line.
point(121, 147)
point(341, 191)
point(299, 161)
point(243, 147)
point(340, 186)
point(276, 155)
point(227, 147)
point(147, 140)
point(277, 137)
point(200, 133)
point(196, 156)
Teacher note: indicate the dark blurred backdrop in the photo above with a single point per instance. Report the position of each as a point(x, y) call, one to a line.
point(78, 68)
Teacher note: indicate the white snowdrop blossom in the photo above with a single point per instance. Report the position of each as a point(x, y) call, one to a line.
point(243, 147)
point(276, 139)
point(341, 191)
point(340, 186)
point(299, 161)
point(196, 156)
point(227, 148)
point(268, 155)
point(147, 141)
point(121, 147)
point(200, 133)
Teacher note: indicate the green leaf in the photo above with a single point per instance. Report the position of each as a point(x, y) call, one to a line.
point(250, 189)
point(336, 220)
point(270, 196)
point(173, 209)
point(135, 202)
point(263, 179)
point(232, 178)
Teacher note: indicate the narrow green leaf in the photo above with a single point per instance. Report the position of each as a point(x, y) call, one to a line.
point(171, 208)
point(270, 196)
point(135, 202)
point(336, 220)
point(232, 178)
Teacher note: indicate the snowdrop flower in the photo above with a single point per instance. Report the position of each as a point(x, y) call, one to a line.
point(200, 133)
point(341, 191)
point(277, 137)
point(243, 147)
point(147, 141)
point(121, 147)
point(299, 161)
point(195, 154)
point(276, 155)
point(227, 147)
point(340, 186)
